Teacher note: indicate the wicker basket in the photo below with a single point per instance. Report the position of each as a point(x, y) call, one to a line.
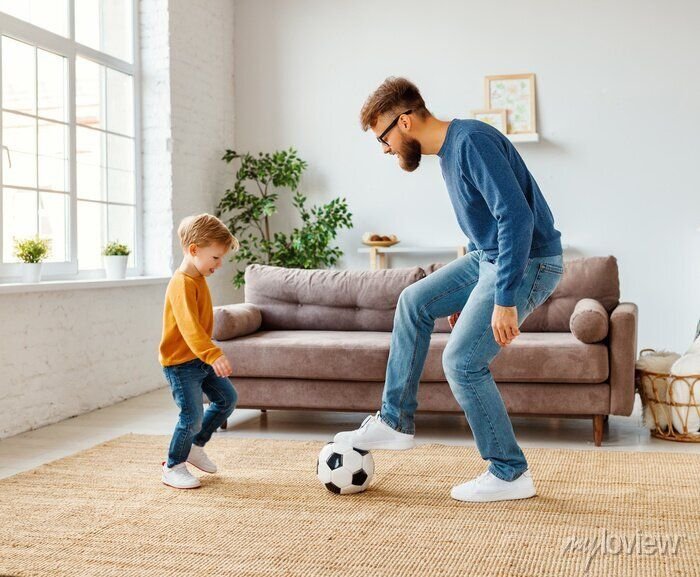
point(657, 391)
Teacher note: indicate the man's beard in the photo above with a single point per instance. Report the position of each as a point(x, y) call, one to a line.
point(409, 154)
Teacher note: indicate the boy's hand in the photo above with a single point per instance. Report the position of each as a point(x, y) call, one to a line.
point(452, 319)
point(222, 368)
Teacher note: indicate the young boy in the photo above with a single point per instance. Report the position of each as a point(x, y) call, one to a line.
point(191, 362)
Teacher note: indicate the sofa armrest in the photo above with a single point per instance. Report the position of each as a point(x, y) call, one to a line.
point(622, 348)
point(237, 320)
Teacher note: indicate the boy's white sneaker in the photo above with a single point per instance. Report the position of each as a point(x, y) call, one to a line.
point(179, 477)
point(487, 487)
point(200, 459)
point(375, 434)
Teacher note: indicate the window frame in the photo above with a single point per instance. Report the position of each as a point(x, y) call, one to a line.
point(67, 47)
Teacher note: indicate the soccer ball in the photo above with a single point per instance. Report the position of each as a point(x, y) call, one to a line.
point(343, 469)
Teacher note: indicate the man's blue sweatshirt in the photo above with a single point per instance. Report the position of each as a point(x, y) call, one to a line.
point(498, 204)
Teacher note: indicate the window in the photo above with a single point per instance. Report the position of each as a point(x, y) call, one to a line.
point(51, 15)
point(68, 94)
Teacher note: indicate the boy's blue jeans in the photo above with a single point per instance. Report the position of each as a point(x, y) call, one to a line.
point(187, 381)
point(465, 285)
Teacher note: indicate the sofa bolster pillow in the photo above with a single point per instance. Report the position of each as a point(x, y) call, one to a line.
point(237, 320)
point(589, 322)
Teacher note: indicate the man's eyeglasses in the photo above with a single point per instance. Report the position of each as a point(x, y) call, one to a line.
point(394, 122)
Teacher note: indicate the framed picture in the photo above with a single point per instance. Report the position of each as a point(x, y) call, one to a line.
point(516, 94)
point(495, 117)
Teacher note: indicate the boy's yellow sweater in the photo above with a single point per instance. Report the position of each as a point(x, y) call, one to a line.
point(188, 321)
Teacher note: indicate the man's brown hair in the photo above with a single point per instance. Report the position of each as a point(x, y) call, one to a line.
point(394, 95)
point(205, 230)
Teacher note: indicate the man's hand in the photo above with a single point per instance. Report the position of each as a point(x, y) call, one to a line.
point(222, 368)
point(452, 319)
point(504, 323)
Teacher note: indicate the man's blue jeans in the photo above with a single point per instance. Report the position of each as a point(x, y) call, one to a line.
point(465, 285)
point(187, 382)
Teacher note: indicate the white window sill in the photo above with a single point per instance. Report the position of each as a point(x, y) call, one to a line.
point(81, 284)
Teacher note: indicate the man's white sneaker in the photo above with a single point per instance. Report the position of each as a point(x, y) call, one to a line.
point(200, 459)
point(375, 434)
point(487, 487)
point(179, 477)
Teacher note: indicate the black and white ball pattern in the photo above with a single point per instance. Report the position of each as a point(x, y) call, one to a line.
point(344, 470)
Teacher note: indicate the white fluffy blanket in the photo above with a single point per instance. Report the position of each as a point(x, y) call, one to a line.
point(657, 387)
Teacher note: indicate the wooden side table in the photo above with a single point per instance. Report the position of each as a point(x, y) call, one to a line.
point(378, 254)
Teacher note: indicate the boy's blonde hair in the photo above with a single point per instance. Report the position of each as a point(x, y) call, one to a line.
point(205, 230)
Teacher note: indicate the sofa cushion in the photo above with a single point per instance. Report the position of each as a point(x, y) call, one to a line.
point(589, 321)
point(231, 321)
point(318, 299)
point(363, 355)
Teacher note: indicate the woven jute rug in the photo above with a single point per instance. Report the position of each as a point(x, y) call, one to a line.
point(105, 512)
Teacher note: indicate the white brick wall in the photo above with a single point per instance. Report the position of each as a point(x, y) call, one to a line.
point(201, 76)
point(66, 353)
point(187, 71)
point(157, 133)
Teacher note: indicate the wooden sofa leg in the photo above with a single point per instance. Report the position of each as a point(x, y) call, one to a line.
point(598, 424)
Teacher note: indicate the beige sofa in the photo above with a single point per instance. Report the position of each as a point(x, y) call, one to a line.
point(319, 340)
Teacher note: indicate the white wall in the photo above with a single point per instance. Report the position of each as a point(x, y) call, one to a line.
point(66, 353)
point(188, 117)
point(617, 108)
point(201, 55)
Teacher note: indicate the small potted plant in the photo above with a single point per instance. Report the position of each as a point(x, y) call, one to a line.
point(32, 251)
point(116, 256)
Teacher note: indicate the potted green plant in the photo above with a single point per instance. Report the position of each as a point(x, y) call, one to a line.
point(32, 252)
point(116, 255)
point(247, 215)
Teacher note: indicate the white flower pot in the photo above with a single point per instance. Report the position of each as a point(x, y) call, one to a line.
point(115, 266)
point(31, 271)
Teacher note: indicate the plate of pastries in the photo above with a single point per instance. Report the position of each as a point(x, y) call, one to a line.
point(374, 239)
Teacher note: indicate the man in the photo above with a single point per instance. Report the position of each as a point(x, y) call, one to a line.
point(514, 263)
